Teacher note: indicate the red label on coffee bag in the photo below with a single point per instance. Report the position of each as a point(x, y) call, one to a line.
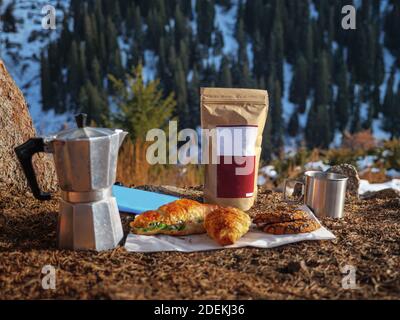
point(236, 161)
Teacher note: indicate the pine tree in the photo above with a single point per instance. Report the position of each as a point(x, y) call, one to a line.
point(116, 67)
point(96, 74)
point(137, 26)
point(205, 21)
point(225, 76)
point(320, 124)
point(376, 100)
point(97, 108)
point(9, 21)
point(83, 99)
point(367, 123)
point(136, 54)
point(278, 42)
point(65, 41)
point(259, 53)
point(396, 114)
point(267, 146)
point(184, 55)
point(392, 27)
point(389, 95)
point(141, 105)
point(194, 100)
point(391, 109)
point(181, 27)
point(309, 54)
point(187, 9)
point(112, 35)
point(242, 43)
point(181, 94)
point(155, 29)
point(323, 130)
point(298, 89)
point(92, 102)
point(342, 99)
point(89, 38)
point(318, 131)
point(293, 125)
point(254, 16)
point(356, 121)
point(82, 65)
point(210, 76)
point(310, 128)
point(322, 88)
point(74, 72)
point(277, 126)
point(242, 74)
point(99, 14)
point(45, 82)
point(218, 44)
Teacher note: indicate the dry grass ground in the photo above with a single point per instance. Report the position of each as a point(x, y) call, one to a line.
point(368, 238)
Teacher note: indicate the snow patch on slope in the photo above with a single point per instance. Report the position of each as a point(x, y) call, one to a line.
point(22, 58)
point(365, 186)
point(225, 21)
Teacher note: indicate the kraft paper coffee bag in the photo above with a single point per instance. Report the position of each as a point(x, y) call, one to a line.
point(236, 118)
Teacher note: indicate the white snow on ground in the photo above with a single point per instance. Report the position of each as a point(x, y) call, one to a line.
point(269, 171)
point(387, 153)
point(288, 107)
point(124, 48)
point(250, 54)
point(150, 66)
point(23, 59)
point(392, 173)
point(337, 140)
point(365, 186)
point(363, 110)
point(313, 11)
point(316, 166)
point(264, 172)
point(225, 21)
point(193, 24)
point(366, 162)
point(378, 132)
point(261, 180)
point(303, 117)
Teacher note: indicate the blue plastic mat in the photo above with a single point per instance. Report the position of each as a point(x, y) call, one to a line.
point(137, 201)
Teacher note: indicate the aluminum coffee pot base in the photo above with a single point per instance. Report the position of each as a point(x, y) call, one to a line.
point(89, 226)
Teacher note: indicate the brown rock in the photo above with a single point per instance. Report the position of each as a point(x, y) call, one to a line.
point(15, 128)
point(353, 183)
point(382, 194)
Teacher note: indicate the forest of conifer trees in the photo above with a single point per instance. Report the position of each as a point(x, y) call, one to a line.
point(340, 79)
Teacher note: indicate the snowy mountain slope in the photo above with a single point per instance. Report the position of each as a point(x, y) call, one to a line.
point(21, 50)
point(21, 53)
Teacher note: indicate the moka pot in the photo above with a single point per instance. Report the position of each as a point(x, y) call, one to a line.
point(86, 161)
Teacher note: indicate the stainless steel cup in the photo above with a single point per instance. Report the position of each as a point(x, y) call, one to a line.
point(324, 193)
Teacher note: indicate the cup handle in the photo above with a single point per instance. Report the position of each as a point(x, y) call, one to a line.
point(285, 198)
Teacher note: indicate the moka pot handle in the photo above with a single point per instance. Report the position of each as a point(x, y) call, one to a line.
point(25, 153)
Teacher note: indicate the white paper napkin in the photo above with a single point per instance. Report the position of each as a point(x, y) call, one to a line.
point(254, 238)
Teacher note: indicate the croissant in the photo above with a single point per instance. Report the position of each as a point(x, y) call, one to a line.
point(178, 218)
point(227, 225)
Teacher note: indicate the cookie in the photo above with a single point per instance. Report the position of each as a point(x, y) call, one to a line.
point(281, 214)
point(293, 227)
